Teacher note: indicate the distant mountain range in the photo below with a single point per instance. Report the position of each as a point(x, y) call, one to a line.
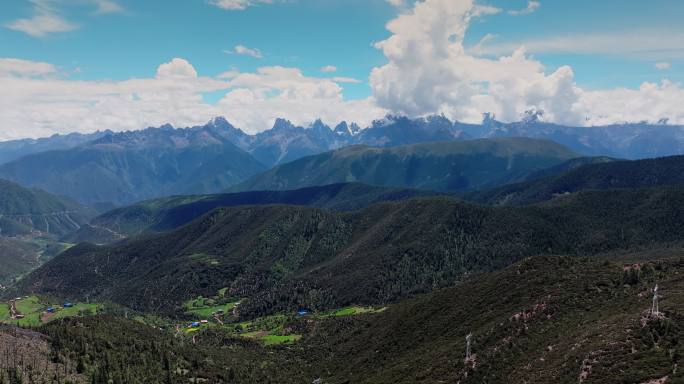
point(285, 142)
point(12, 150)
point(627, 141)
point(441, 166)
point(121, 168)
point(132, 166)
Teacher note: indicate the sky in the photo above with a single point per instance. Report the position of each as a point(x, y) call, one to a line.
point(86, 65)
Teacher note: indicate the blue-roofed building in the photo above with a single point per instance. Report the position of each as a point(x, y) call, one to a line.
point(67, 304)
point(302, 312)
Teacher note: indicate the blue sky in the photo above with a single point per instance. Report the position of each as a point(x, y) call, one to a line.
point(557, 18)
point(306, 34)
point(310, 34)
point(608, 44)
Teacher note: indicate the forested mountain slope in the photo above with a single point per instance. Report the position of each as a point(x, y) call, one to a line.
point(173, 212)
point(441, 166)
point(23, 210)
point(599, 175)
point(285, 257)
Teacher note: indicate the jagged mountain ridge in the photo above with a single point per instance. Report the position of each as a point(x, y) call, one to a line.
point(136, 165)
point(285, 141)
point(14, 149)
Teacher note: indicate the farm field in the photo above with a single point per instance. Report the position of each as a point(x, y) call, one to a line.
point(274, 329)
point(200, 307)
point(34, 310)
point(207, 306)
point(350, 311)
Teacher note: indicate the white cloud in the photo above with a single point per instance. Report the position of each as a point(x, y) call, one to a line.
point(396, 3)
point(45, 20)
point(257, 99)
point(36, 101)
point(22, 68)
point(482, 10)
point(663, 65)
point(651, 102)
point(329, 69)
point(531, 7)
point(47, 16)
point(643, 44)
point(107, 6)
point(242, 50)
point(343, 79)
point(237, 5)
point(176, 69)
point(429, 71)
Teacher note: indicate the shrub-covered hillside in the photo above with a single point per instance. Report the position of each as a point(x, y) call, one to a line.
point(541, 320)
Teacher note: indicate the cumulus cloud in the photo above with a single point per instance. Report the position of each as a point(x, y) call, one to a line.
point(651, 102)
point(430, 71)
point(664, 65)
point(396, 3)
point(176, 69)
point(242, 50)
point(531, 7)
point(257, 99)
point(329, 69)
point(37, 101)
